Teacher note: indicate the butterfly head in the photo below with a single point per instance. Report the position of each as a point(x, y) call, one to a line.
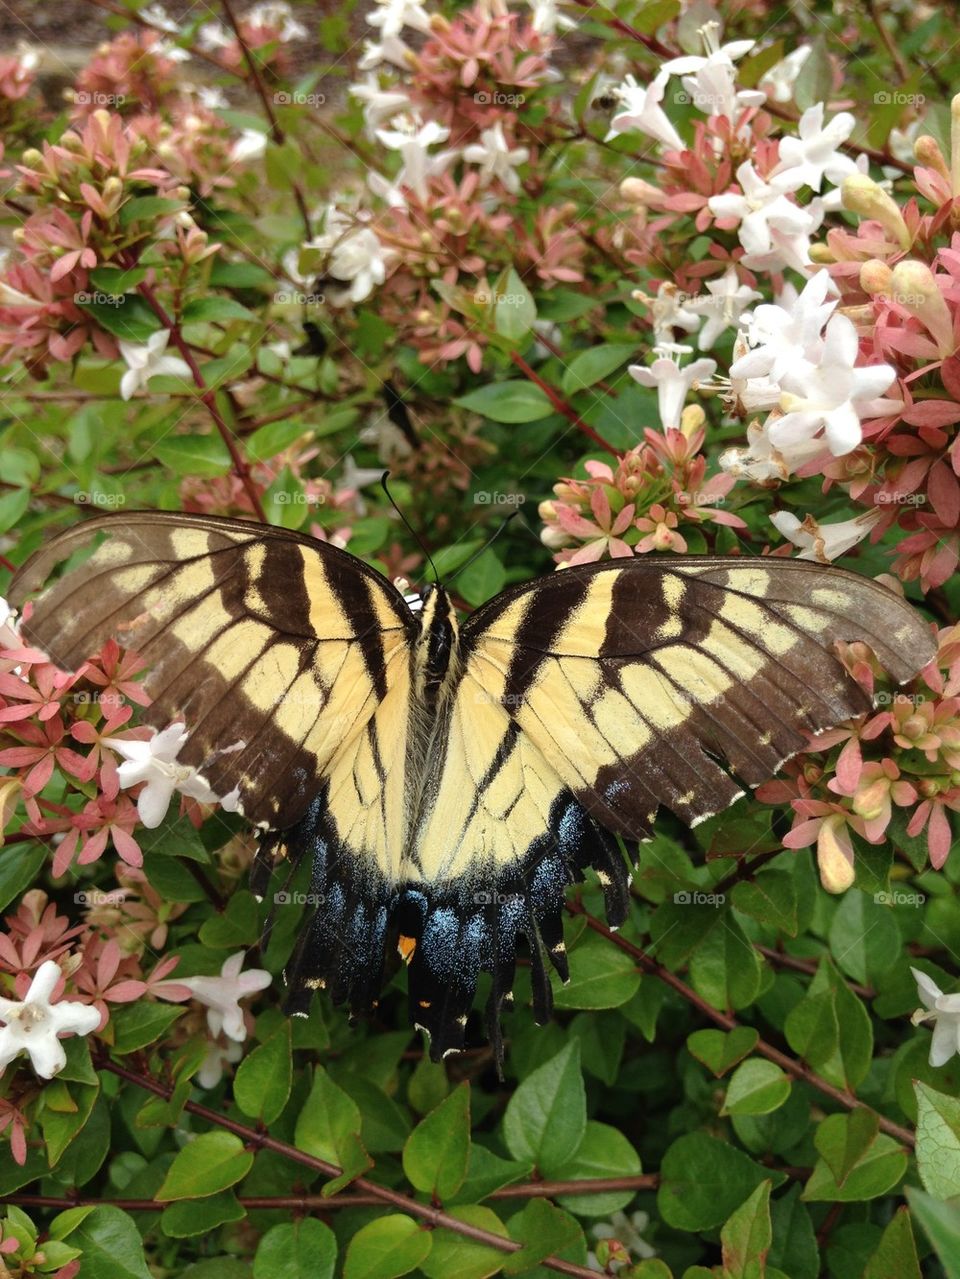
point(438, 638)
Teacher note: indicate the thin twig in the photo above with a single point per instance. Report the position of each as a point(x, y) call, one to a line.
point(792, 1067)
point(208, 396)
point(561, 405)
point(276, 132)
point(435, 1217)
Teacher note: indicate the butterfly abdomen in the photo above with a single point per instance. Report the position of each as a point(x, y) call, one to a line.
point(437, 646)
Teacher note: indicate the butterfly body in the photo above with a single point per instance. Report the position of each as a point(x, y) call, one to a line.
point(445, 783)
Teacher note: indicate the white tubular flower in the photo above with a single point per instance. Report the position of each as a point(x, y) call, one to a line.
point(251, 144)
point(9, 627)
point(155, 762)
point(815, 152)
point(419, 165)
point(390, 49)
point(546, 18)
point(774, 231)
point(834, 396)
point(824, 542)
point(379, 105)
point(147, 361)
point(496, 158)
point(711, 81)
point(782, 76)
point(278, 15)
point(34, 1025)
point(944, 1011)
point(723, 304)
point(673, 383)
point(391, 16)
point(640, 109)
point(763, 464)
point(221, 995)
point(785, 338)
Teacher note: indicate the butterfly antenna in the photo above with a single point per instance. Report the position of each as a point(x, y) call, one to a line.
point(408, 526)
point(486, 546)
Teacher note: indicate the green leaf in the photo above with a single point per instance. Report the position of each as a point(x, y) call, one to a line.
point(208, 1164)
point(941, 1225)
point(756, 1088)
point(794, 1248)
point(328, 1127)
point(305, 1249)
point(176, 838)
point(110, 1243)
point(19, 867)
point(514, 308)
point(595, 364)
point(604, 1152)
point(844, 1139)
point(815, 79)
point(273, 438)
point(127, 316)
point(61, 1127)
point(386, 1248)
point(238, 925)
point(721, 1050)
point(140, 1024)
point(113, 279)
point(543, 1230)
point(704, 1180)
point(147, 208)
point(896, 1258)
point(482, 579)
point(546, 1117)
point(190, 1217)
point(437, 1152)
point(200, 455)
point(724, 968)
point(812, 1029)
point(209, 309)
point(938, 1142)
point(512, 402)
point(864, 938)
point(264, 1078)
point(600, 976)
point(455, 1254)
point(239, 275)
point(487, 1172)
point(771, 898)
point(13, 507)
point(745, 1238)
point(876, 1172)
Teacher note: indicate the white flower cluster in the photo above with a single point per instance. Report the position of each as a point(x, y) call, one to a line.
point(155, 762)
point(33, 1025)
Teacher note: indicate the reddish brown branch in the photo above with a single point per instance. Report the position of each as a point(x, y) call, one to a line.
point(434, 1217)
point(786, 1063)
point(208, 396)
point(561, 405)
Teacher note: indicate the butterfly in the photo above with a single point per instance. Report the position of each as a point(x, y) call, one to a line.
point(446, 783)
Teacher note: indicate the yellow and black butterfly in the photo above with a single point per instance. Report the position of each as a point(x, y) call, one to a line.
point(446, 784)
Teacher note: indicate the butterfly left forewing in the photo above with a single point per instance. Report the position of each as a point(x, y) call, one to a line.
point(273, 650)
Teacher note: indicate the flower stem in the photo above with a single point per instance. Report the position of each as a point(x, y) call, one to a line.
point(208, 396)
point(561, 405)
